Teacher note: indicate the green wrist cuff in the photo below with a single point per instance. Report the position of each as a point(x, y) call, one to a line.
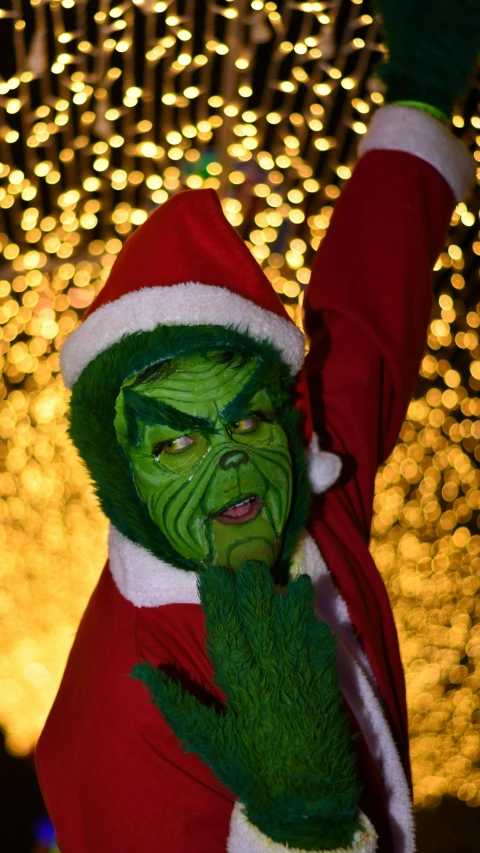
point(426, 108)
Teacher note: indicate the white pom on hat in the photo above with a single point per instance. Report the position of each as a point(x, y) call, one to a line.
point(323, 467)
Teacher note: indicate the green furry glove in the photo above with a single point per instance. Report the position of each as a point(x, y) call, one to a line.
point(283, 745)
point(432, 47)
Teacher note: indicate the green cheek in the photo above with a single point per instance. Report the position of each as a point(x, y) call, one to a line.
point(173, 501)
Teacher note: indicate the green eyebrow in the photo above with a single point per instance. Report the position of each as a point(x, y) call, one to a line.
point(150, 411)
point(261, 380)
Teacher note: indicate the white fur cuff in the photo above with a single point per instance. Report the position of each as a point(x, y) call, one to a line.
point(398, 128)
point(246, 838)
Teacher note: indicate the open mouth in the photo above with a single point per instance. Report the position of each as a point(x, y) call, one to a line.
point(238, 513)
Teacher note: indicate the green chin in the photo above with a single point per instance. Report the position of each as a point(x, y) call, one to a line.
point(234, 542)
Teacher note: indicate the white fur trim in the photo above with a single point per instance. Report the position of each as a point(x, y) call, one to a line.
point(187, 304)
point(145, 580)
point(364, 703)
point(148, 582)
point(398, 128)
point(323, 468)
point(361, 693)
point(245, 837)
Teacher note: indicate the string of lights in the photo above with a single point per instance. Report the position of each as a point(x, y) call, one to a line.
point(106, 109)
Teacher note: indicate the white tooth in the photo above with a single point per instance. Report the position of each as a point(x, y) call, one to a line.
point(242, 503)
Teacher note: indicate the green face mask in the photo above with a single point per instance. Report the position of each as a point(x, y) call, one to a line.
point(209, 460)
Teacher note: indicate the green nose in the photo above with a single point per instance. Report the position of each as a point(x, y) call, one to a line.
point(233, 459)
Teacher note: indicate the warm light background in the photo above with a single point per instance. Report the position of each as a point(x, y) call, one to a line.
point(105, 111)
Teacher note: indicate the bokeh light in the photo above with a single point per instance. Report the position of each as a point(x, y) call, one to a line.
point(118, 109)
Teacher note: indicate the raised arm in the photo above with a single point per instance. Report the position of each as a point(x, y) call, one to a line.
point(370, 296)
point(369, 300)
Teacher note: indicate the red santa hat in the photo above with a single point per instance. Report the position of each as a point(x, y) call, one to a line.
point(187, 266)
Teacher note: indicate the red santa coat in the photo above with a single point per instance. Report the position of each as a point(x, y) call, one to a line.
point(113, 775)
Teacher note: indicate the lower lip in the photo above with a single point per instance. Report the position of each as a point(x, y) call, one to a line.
point(250, 511)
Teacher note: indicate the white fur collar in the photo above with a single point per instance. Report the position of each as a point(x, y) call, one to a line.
point(148, 582)
point(145, 580)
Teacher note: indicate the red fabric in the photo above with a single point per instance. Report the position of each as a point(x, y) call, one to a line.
point(302, 402)
point(189, 239)
point(366, 312)
point(113, 776)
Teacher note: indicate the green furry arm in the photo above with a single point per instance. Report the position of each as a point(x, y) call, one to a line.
point(283, 745)
point(432, 47)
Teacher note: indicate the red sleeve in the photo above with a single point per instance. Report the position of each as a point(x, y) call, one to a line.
point(367, 309)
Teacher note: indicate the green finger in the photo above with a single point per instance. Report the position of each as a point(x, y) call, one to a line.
point(299, 601)
point(228, 649)
point(192, 723)
point(257, 601)
point(322, 647)
point(295, 615)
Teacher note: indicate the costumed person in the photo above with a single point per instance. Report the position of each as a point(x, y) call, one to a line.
point(272, 727)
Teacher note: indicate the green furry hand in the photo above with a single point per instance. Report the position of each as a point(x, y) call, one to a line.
point(283, 745)
point(432, 47)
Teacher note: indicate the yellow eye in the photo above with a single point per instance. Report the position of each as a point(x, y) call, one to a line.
point(247, 424)
point(173, 445)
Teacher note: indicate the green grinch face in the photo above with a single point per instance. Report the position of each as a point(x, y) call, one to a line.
point(209, 460)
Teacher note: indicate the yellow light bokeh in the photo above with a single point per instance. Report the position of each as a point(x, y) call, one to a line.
point(84, 172)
